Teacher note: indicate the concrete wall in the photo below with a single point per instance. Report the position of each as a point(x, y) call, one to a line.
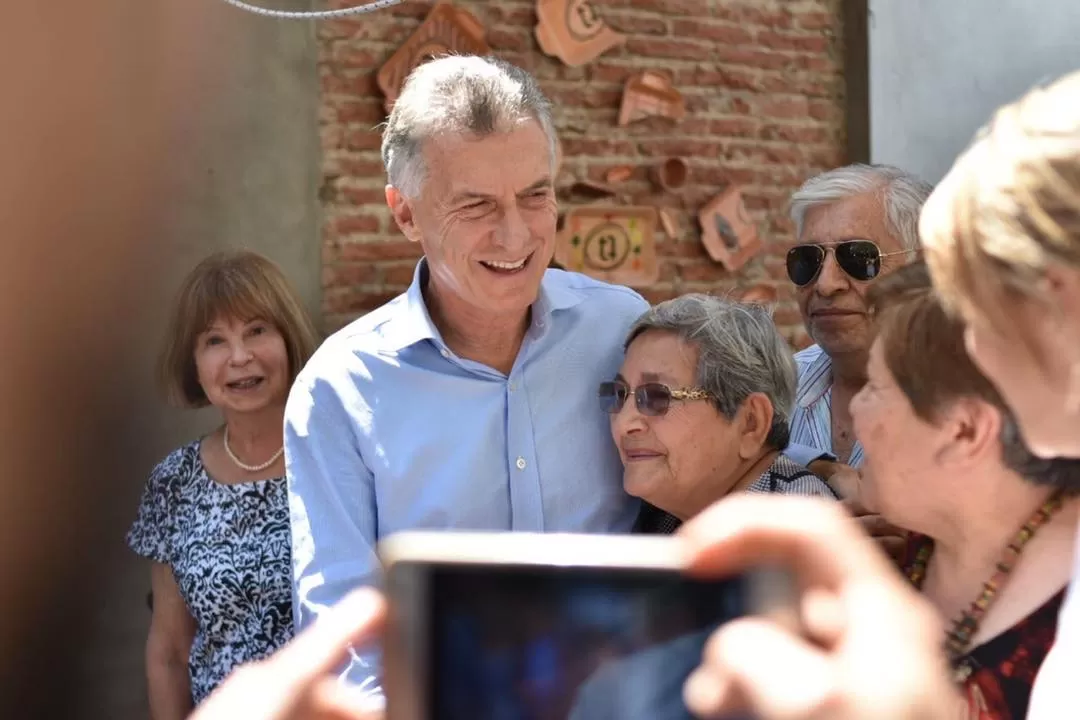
point(245, 171)
point(939, 68)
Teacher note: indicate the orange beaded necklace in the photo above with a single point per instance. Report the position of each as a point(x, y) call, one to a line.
point(958, 639)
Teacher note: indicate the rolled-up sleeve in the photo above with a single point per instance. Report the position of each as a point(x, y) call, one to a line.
point(331, 505)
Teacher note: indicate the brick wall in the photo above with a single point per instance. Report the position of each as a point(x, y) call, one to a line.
point(763, 86)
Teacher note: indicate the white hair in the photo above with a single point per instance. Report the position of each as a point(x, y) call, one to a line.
point(740, 352)
point(902, 195)
point(458, 94)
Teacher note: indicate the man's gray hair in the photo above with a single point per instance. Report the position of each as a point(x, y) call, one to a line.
point(740, 352)
point(458, 94)
point(902, 195)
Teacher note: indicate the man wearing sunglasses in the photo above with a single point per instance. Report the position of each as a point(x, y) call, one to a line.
point(853, 224)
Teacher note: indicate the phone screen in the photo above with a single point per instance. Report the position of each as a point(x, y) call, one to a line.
point(569, 643)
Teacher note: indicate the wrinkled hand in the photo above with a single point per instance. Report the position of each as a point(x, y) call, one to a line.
point(845, 480)
point(871, 644)
point(296, 683)
point(889, 537)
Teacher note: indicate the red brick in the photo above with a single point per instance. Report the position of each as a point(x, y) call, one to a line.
point(348, 300)
point(799, 339)
point(361, 168)
point(750, 15)
point(356, 224)
point(350, 275)
point(706, 30)
point(669, 7)
point(505, 14)
point(398, 274)
point(787, 316)
point(362, 196)
point(585, 97)
point(658, 294)
point(580, 147)
point(721, 175)
point(814, 63)
point(672, 49)
point(734, 127)
point(686, 149)
point(516, 40)
point(800, 134)
point(800, 43)
point(824, 110)
point(789, 85)
point(601, 72)
point(816, 21)
point(352, 84)
point(636, 24)
point(351, 57)
point(752, 58)
point(363, 139)
point(686, 248)
point(707, 271)
point(366, 112)
point(379, 250)
point(784, 107)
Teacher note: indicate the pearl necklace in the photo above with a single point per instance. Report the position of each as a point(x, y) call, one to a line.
point(250, 468)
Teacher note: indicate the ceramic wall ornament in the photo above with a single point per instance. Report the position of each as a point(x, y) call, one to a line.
point(669, 223)
point(446, 30)
point(613, 244)
point(650, 94)
point(620, 174)
point(671, 175)
point(572, 31)
point(727, 231)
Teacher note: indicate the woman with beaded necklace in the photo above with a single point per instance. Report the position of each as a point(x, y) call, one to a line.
point(992, 525)
point(214, 516)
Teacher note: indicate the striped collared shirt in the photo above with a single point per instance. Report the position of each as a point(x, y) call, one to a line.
point(811, 422)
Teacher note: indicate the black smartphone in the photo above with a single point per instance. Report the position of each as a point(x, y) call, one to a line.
point(518, 626)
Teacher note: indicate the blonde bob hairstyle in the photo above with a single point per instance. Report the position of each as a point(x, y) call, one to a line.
point(1010, 206)
point(241, 285)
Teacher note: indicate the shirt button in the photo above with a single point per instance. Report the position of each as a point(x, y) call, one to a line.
point(445, 353)
point(513, 387)
point(520, 463)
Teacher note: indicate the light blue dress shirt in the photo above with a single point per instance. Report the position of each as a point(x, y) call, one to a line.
point(811, 422)
point(386, 430)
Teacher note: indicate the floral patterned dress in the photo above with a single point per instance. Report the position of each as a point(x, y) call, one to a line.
point(229, 549)
point(1001, 672)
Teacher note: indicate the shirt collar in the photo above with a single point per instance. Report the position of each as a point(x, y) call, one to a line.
point(815, 380)
point(414, 323)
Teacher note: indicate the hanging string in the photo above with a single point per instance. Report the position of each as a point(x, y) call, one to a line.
point(314, 14)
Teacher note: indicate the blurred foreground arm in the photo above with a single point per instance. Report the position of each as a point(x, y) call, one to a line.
point(872, 649)
point(297, 682)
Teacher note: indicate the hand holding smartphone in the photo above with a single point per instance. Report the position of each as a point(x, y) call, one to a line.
point(518, 626)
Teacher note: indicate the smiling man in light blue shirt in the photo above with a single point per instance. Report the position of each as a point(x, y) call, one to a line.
point(470, 401)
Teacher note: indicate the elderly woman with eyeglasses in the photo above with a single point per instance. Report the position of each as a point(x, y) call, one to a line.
point(710, 384)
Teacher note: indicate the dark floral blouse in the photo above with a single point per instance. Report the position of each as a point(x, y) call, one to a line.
point(229, 549)
point(1001, 672)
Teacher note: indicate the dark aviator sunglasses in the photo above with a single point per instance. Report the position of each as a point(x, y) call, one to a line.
point(652, 399)
point(860, 259)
